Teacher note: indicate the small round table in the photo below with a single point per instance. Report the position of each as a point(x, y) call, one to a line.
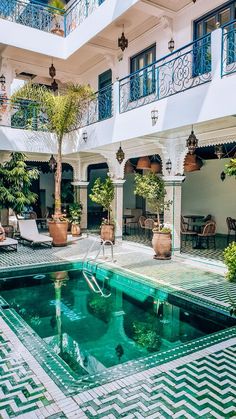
point(126, 217)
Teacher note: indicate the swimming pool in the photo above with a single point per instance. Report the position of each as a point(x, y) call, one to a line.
point(92, 333)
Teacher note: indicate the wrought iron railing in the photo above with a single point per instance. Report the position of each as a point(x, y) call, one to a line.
point(22, 114)
point(48, 18)
point(99, 107)
point(35, 15)
point(228, 50)
point(184, 69)
point(78, 12)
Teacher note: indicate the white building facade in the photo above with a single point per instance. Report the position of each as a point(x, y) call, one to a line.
point(177, 74)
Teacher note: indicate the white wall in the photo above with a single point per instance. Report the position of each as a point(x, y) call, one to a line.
point(204, 193)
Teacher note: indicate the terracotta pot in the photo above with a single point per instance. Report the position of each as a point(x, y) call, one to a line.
point(161, 243)
point(192, 163)
point(57, 31)
point(58, 232)
point(75, 230)
point(108, 232)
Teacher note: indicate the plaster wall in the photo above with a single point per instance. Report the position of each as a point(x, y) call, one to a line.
point(204, 193)
point(46, 181)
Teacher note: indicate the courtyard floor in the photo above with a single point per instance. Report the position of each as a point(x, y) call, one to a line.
point(196, 379)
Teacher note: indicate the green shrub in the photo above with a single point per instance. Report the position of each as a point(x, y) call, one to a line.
point(230, 261)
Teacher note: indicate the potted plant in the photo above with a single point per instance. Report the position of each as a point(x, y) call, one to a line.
point(15, 186)
point(103, 193)
point(62, 111)
point(75, 212)
point(152, 188)
point(59, 11)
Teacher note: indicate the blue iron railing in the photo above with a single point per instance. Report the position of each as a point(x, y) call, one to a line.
point(228, 50)
point(48, 18)
point(23, 114)
point(184, 69)
point(99, 107)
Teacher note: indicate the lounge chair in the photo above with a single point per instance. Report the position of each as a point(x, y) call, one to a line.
point(29, 232)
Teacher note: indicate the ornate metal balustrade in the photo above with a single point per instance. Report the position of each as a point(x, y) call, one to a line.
point(23, 115)
point(228, 50)
point(48, 18)
point(99, 107)
point(78, 12)
point(184, 69)
point(38, 16)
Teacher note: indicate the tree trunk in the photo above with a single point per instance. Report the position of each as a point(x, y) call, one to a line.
point(58, 174)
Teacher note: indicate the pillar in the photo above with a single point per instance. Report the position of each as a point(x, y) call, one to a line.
point(172, 216)
point(81, 195)
point(117, 208)
point(5, 92)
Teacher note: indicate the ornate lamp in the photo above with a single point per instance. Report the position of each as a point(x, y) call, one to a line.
point(3, 81)
point(192, 142)
point(52, 71)
point(123, 41)
point(171, 45)
point(219, 151)
point(222, 176)
point(85, 136)
point(154, 116)
point(120, 155)
point(168, 166)
point(52, 163)
point(143, 163)
point(54, 85)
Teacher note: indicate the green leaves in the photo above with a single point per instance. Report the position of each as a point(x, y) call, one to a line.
point(75, 212)
point(230, 261)
point(15, 182)
point(231, 168)
point(103, 193)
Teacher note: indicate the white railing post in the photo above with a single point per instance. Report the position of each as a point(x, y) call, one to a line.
point(216, 45)
point(116, 98)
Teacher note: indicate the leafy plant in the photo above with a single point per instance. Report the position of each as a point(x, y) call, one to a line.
point(15, 183)
point(103, 193)
point(63, 111)
point(100, 307)
point(75, 212)
point(58, 4)
point(230, 261)
point(230, 168)
point(145, 335)
point(152, 188)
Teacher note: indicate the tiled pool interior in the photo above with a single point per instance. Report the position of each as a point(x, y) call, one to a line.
point(92, 333)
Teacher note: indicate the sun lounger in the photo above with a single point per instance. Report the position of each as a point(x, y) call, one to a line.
point(29, 232)
point(8, 242)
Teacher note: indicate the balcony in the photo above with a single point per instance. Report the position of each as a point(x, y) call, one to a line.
point(228, 51)
point(48, 18)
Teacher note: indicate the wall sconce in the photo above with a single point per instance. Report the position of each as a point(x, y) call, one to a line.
point(3, 82)
point(154, 116)
point(123, 41)
point(192, 142)
point(52, 163)
point(120, 155)
point(222, 176)
point(168, 166)
point(85, 136)
point(171, 45)
point(219, 151)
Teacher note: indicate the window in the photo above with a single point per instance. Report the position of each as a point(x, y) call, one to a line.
point(142, 82)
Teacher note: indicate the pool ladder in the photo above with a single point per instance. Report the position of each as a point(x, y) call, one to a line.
point(88, 274)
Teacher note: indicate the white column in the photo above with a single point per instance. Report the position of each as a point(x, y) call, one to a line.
point(81, 195)
point(172, 216)
point(117, 208)
point(5, 92)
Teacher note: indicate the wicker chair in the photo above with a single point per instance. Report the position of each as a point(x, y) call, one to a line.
point(231, 224)
point(208, 234)
point(185, 232)
point(141, 221)
point(148, 225)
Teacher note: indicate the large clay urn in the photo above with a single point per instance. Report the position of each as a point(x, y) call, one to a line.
point(75, 230)
point(161, 243)
point(108, 232)
point(58, 232)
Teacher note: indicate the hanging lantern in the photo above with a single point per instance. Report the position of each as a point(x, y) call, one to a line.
point(171, 45)
point(192, 163)
point(120, 155)
point(219, 151)
point(52, 163)
point(192, 142)
point(3, 81)
point(143, 163)
point(129, 168)
point(52, 71)
point(155, 166)
point(123, 41)
point(54, 85)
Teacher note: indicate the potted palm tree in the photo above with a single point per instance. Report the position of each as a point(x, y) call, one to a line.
point(63, 111)
point(152, 188)
point(103, 193)
point(75, 212)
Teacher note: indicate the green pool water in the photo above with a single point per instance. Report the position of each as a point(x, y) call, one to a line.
point(92, 333)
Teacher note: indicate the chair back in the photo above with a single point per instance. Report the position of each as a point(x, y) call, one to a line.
point(141, 221)
point(183, 225)
point(28, 228)
point(207, 218)
point(209, 229)
point(149, 223)
point(231, 223)
point(32, 215)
